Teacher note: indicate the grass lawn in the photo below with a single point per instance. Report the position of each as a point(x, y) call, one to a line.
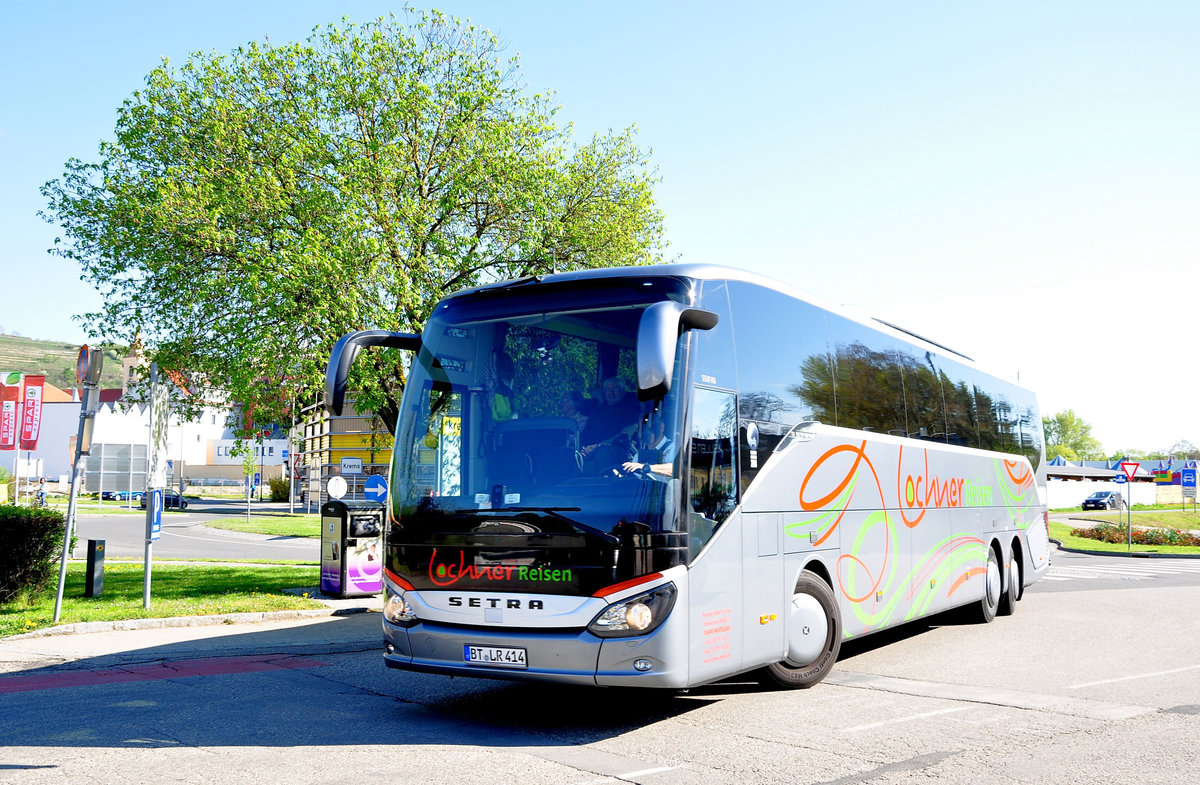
point(1062, 533)
point(175, 590)
point(298, 525)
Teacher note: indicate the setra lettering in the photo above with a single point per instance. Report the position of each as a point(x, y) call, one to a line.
point(495, 602)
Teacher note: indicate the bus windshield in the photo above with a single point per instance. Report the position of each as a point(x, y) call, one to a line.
point(529, 425)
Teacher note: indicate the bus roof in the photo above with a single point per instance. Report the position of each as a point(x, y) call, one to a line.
point(716, 272)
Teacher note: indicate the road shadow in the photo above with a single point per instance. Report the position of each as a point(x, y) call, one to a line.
point(306, 687)
point(958, 617)
point(325, 684)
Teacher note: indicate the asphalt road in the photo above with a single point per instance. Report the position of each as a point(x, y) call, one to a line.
point(185, 536)
point(1095, 679)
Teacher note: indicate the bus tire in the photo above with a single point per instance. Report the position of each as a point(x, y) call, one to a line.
point(1012, 589)
point(993, 584)
point(814, 635)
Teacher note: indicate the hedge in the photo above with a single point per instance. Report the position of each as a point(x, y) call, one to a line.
point(32, 542)
point(279, 489)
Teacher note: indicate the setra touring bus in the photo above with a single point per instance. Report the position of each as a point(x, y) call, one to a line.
point(665, 476)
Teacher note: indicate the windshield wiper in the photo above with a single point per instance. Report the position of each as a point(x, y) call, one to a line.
point(606, 536)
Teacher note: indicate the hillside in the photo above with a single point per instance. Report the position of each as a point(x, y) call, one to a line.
point(56, 360)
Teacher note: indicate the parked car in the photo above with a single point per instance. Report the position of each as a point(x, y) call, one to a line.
point(170, 499)
point(1102, 500)
point(121, 495)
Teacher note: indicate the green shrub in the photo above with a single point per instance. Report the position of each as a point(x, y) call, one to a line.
point(1109, 532)
point(279, 489)
point(32, 538)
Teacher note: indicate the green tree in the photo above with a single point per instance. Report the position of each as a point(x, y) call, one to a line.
point(255, 206)
point(1069, 435)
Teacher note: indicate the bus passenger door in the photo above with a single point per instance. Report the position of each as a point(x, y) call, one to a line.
point(715, 579)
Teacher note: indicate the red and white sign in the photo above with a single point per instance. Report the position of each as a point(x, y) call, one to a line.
point(1130, 468)
point(31, 412)
point(10, 396)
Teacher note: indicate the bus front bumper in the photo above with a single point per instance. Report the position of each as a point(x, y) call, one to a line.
point(565, 657)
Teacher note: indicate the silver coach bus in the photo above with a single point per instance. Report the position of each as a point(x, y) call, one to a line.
point(665, 476)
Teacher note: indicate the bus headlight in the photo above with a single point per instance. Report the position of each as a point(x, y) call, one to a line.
point(396, 610)
point(636, 615)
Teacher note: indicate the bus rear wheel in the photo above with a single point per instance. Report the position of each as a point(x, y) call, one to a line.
point(993, 584)
point(814, 636)
point(1012, 592)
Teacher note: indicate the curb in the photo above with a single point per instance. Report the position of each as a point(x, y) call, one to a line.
point(186, 621)
point(1135, 555)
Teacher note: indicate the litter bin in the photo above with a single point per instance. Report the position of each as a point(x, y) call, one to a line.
point(351, 548)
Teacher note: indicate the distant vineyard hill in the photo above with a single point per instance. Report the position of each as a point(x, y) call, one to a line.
point(56, 360)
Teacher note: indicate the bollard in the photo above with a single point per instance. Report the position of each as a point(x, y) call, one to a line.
point(95, 569)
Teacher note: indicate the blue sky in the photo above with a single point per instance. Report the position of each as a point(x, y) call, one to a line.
point(1019, 181)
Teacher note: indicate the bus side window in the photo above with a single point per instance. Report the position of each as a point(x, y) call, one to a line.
point(712, 488)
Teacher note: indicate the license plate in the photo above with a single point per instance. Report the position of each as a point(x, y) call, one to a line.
point(497, 657)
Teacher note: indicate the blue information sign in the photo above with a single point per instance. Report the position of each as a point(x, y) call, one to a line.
point(1119, 478)
point(154, 508)
point(375, 489)
point(1188, 478)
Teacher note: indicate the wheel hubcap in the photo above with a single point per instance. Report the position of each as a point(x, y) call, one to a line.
point(809, 630)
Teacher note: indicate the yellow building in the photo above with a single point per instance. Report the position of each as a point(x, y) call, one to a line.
point(326, 440)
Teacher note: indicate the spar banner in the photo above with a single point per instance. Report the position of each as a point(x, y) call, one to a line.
point(10, 397)
point(31, 412)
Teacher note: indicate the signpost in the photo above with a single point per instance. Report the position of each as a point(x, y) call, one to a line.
point(1187, 478)
point(87, 374)
point(156, 478)
point(1130, 468)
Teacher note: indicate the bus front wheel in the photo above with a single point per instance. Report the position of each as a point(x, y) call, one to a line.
point(814, 636)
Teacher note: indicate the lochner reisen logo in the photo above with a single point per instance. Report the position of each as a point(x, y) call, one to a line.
point(447, 574)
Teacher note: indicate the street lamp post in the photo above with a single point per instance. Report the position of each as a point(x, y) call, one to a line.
point(262, 450)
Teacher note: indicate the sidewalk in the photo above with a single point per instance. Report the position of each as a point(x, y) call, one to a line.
point(331, 632)
point(344, 625)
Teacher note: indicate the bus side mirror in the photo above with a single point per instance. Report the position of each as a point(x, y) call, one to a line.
point(343, 354)
point(658, 334)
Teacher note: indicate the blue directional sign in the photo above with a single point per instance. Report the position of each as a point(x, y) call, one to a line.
point(1119, 478)
point(1187, 478)
point(375, 489)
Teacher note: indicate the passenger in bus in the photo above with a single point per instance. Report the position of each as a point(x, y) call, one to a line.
point(571, 405)
point(497, 381)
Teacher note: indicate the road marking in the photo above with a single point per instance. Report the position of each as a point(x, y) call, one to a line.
point(226, 541)
point(629, 775)
point(899, 720)
point(1119, 572)
point(993, 696)
point(178, 669)
point(1131, 678)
